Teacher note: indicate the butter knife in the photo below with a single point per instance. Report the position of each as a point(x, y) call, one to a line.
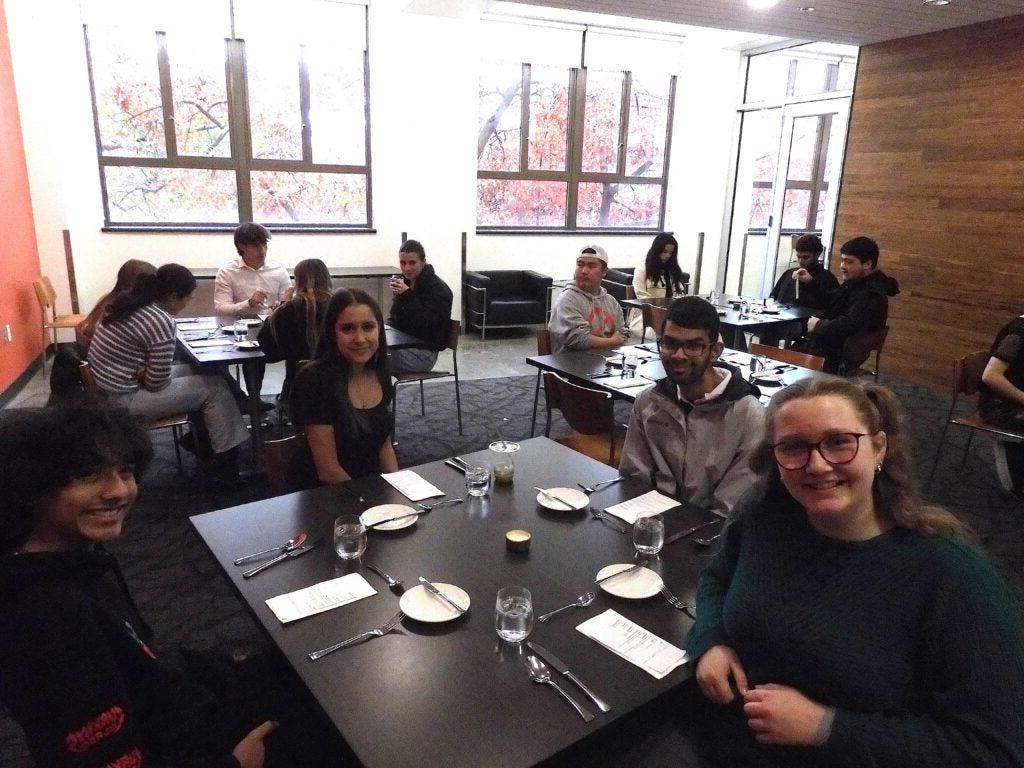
point(623, 572)
point(439, 594)
point(379, 523)
point(691, 530)
point(549, 495)
point(560, 667)
point(283, 556)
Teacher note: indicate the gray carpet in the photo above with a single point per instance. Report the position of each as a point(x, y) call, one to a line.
point(187, 601)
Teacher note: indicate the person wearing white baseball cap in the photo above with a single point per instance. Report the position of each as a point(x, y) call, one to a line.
point(585, 316)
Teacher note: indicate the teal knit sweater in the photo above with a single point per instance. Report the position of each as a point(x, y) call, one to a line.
point(913, 639)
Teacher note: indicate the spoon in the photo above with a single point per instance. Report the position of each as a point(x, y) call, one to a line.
point(391, 580)
point(708, 541)
point(541, 674)
point(293, 543)
point(580, 602)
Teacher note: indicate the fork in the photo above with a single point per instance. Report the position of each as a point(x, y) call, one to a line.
point(383, 629)
point(597, 486)
point(604, 517)
point(428, 507)
point(674, 601)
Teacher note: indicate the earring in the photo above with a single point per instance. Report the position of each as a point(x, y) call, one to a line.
point(878, 468)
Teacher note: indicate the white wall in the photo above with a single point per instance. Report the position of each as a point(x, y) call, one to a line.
point(423, 86)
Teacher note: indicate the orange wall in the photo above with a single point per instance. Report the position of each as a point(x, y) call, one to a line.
point(19, 257)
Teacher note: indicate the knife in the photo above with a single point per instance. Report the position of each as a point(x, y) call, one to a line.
point(562, 669)
point(438, 593)
point(623, 572)
point(552, 496)
point(283, 556)
point(691, 530)
point(454, 465)
point(379, 523)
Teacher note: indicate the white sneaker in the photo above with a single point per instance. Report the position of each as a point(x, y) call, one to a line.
point(1002, 467)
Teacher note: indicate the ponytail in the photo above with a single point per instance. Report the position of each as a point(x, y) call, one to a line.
point(148, 288)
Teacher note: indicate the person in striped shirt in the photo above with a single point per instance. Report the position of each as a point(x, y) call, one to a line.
point(132, 356)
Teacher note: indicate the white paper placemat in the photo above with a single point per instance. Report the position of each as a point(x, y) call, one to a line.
point(320, 597)
point(411, 485)
point(634, 643)
point(651, 503)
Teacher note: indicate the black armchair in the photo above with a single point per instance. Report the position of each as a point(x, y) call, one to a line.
point(619, 283)
point(506, 298)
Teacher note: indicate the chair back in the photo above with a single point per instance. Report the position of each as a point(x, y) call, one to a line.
point(968, 370)
point(46, 299)
point(543, 342)
point(288, 463)
point(454, 331)
point(630, 292)
point(858, 348)
point(653, 318)
point(588, 411)
point(790, 356)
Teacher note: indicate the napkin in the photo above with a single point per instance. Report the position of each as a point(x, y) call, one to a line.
point(320, 597)
point(616, 382)
point(651, 503)
point(634, 643)
point(411, 485)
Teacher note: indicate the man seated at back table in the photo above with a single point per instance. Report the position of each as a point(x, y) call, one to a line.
point(422, 307)
point(812, 295)
point(1001, 400)
point(860, 304)
point(693, 432)
point(585, 316)
point(248, 284)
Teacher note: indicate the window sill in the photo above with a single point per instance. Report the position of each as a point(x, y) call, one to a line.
point(199, 229)
point(563, 231)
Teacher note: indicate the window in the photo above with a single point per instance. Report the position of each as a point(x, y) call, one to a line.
point(571, 148)
point(197, 127)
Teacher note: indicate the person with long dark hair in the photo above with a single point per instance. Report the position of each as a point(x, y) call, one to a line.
point(343, 398)
point(660, 276)
point(125, 279)
point(132, 353)
point(846, 622)
point(292, 332)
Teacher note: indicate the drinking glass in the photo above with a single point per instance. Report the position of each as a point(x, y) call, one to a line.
point(241, 331)
point(713, 298)
point(478, 480)
point(649, 534)
point(629, 365)
point(504, 466)
point(513, 614)
point(349, 537)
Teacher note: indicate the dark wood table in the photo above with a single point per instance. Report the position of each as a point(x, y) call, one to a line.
point(733, 327)
point(453, 694)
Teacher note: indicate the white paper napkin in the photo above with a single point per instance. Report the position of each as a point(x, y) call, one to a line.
point(411, 485)
point(651, 503)
point(320, 597)
point(618, 383)
point(634, 643)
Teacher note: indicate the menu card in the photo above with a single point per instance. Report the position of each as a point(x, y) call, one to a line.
point(411, 485)
point(617, 382)
point(634, 643)
point(651, 503)
point(320, 597)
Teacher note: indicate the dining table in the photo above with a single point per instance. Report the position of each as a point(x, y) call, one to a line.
point(452, 693)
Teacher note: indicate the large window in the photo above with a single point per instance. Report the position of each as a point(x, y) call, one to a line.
point(572, 148)
point(208, 114)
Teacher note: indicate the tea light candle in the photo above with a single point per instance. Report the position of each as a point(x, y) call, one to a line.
point(517, 541)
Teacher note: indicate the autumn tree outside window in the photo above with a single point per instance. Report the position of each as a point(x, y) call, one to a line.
point(588, 147)
point(210, 114)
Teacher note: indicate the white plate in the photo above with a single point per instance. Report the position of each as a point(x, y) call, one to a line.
point(386, 511)
point(768, 378)
point(247, 345)
point(248, 322)
point(638, 585)
point(417, 603)
point(578, 499)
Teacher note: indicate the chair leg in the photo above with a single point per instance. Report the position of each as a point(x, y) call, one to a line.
point(938, 454)
point(423, 401)
point(394, 417)
point(536, 399)
point(458, 403)
point(967, 448)
point(176, 438)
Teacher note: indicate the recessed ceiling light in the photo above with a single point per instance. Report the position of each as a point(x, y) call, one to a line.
point(761, 5)
point(934, 2)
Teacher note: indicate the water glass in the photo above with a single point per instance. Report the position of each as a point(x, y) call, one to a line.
point(713, 297)
point(241, 331)
point(629, 365)
point(649, 534)
point(513, 614)
point(478, 480)
point(349, 537)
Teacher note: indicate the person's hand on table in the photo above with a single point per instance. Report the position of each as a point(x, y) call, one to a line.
point(257, 298)
point(778, 714)
point(802, 275)
point(250, 752)
point(716, 668)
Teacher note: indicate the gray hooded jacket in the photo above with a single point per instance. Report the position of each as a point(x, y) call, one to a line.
point(577, 314)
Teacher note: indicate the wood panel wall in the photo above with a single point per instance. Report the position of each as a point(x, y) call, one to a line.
point(934, 171)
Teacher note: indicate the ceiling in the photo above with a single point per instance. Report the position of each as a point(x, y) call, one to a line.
point(856, 22)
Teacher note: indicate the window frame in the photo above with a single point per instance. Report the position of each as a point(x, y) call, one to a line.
point(240, 160)
point(573, 175)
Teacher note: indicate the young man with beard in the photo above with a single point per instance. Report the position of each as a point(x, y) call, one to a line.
point(693, 432)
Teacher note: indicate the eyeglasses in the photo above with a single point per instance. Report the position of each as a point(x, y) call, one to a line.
point(692, 347)
point(837, 449)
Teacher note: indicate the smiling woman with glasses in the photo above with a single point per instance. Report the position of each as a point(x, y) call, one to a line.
point(858, 624)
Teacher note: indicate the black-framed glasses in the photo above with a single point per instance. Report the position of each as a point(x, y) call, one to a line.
point(840, 448)
point(692, 347)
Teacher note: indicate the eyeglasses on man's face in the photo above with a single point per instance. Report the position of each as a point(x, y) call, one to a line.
point(693, 347)
point(840, 448)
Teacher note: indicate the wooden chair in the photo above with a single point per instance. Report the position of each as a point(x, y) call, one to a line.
point(857, 350)
point(654, 318)
point(967, 373)
point(51, 322)
point(802, 359)
point(406, 377)
point(175, 422)
point(543, 348)
point(591, 416)
point(289, 464)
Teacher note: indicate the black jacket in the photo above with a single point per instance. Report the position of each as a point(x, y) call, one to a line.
point(80, 673)
point(854, 307)
point(425, 310)
point(813, 295)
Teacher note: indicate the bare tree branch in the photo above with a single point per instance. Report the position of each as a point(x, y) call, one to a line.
point(489, 126)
